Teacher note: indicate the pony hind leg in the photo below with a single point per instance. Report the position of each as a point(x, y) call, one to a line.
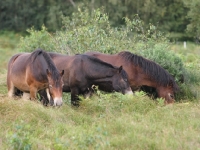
point(11, 90)
point(18, 92)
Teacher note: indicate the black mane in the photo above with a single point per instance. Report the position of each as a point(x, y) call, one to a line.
point(51, 66)
point(96, 60)
point(155, 71)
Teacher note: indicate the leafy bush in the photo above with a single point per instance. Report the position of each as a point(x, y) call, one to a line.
point(92, 32)
point(37, 39)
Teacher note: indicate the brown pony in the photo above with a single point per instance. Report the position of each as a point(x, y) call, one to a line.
point(83, 71)
point(142, 72)
point(32, 72)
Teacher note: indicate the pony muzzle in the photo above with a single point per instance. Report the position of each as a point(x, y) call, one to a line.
point(57, 101)
point(128, 91)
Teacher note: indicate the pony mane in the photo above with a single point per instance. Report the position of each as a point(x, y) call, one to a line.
point(51, 66)
point(96, 60)
point(155, 71)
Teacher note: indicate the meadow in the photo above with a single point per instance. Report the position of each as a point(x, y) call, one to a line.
point(104, 121)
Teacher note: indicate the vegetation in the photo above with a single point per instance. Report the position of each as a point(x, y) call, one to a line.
point(8, 47)
point(110, 121)
point(179, 17)
point(104, 121)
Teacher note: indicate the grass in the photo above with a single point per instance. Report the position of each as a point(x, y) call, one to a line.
point(104, 121)
point(120, 123)
point(8, 47)
point(190, 54)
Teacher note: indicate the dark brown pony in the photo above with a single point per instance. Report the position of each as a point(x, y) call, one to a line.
point(142, 72)
point(82, 71)
point(32, 72)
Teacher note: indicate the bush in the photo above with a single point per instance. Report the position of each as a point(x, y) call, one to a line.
point(37, 39)
point(92, 32)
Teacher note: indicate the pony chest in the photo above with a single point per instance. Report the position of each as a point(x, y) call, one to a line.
point(38, 84)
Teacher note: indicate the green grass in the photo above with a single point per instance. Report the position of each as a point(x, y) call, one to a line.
point(104, 121)
point(107, 122)
point(190, 54)
point(8, 47)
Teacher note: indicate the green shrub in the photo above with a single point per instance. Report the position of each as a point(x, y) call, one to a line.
point(37, 39)
point(92, 32)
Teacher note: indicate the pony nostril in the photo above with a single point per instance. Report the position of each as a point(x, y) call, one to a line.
point(170, 95)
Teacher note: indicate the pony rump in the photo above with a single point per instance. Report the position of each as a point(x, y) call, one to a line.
point(155, 71)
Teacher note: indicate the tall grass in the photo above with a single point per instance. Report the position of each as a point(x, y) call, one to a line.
point(8, 47)
point(111, 121)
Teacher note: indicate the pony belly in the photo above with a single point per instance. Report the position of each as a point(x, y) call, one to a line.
point(21, 85)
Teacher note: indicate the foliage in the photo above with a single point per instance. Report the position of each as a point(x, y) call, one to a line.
point(190, 57)
point(172, 16)
point(19, 15)
point(193, 28)
point(37, 39)
point(104, 121)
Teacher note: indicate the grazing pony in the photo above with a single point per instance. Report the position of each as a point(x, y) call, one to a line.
point(83, 71)
point(32, 72)
point(142, 72)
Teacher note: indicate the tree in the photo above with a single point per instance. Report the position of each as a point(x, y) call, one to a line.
point(193, 28)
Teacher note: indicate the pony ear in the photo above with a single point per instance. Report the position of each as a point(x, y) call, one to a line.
point(48, 72)
point(120, 69)
point(62, 72)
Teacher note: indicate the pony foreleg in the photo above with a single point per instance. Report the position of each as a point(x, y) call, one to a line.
point(74, 97)
point(33, 92)
point(49, 97)
point(44, 96)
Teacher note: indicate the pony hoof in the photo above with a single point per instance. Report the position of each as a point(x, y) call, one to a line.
point(76, 104)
